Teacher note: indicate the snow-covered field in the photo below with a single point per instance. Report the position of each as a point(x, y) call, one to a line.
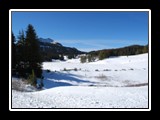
point(119, 82)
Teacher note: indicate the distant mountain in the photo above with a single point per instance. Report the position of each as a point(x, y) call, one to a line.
point(54, 50)
point(48, 40)
point(51, 49)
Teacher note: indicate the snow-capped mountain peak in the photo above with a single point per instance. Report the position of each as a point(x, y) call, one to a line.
point(49, 40)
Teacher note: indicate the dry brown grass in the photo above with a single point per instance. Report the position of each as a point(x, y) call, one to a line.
point(101, 77)
point(18, 85)
point(137, 85)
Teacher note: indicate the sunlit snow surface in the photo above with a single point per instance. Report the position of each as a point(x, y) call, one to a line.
point(118, 82)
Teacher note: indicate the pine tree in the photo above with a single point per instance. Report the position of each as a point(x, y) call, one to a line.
point(145, 49)
point(33, 51)
point(89, 58)
point(13, 51)
point(21, 57)
point(102, 55)
point(21, 47)
point(83, 59)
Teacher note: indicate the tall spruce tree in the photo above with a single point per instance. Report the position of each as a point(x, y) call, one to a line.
point(13, 51)
point(33, 51)
point(21, 57)
point(21, 47)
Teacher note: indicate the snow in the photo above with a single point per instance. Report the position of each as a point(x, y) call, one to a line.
point(83, 97)
point(117, 82)
point(21, 85)
point(46, 40)
point(122, 70)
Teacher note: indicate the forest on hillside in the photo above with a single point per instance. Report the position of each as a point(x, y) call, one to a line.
point(106, 53)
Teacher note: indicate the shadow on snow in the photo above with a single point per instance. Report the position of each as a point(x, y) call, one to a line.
point(57, 79)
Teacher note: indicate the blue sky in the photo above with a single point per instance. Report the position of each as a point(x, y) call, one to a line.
point(86, 31)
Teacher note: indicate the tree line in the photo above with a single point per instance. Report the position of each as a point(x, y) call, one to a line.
point(102, 54)
point(26, 56)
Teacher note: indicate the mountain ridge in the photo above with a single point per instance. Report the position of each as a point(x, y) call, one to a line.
point(51, 49)
point(45, 40)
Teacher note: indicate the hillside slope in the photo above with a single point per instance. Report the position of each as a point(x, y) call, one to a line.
point(119, 82)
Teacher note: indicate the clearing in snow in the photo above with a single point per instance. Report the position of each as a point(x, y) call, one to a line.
point(119, 82)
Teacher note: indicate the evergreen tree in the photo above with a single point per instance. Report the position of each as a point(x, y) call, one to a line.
point(70, 56)
point(33, 51)
point(145, 49)
point(21, 57)
point(103, 55)
point(21, 47)
point(83, 59)
point(89, 58)
point(13, 51)
point(61, 57)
